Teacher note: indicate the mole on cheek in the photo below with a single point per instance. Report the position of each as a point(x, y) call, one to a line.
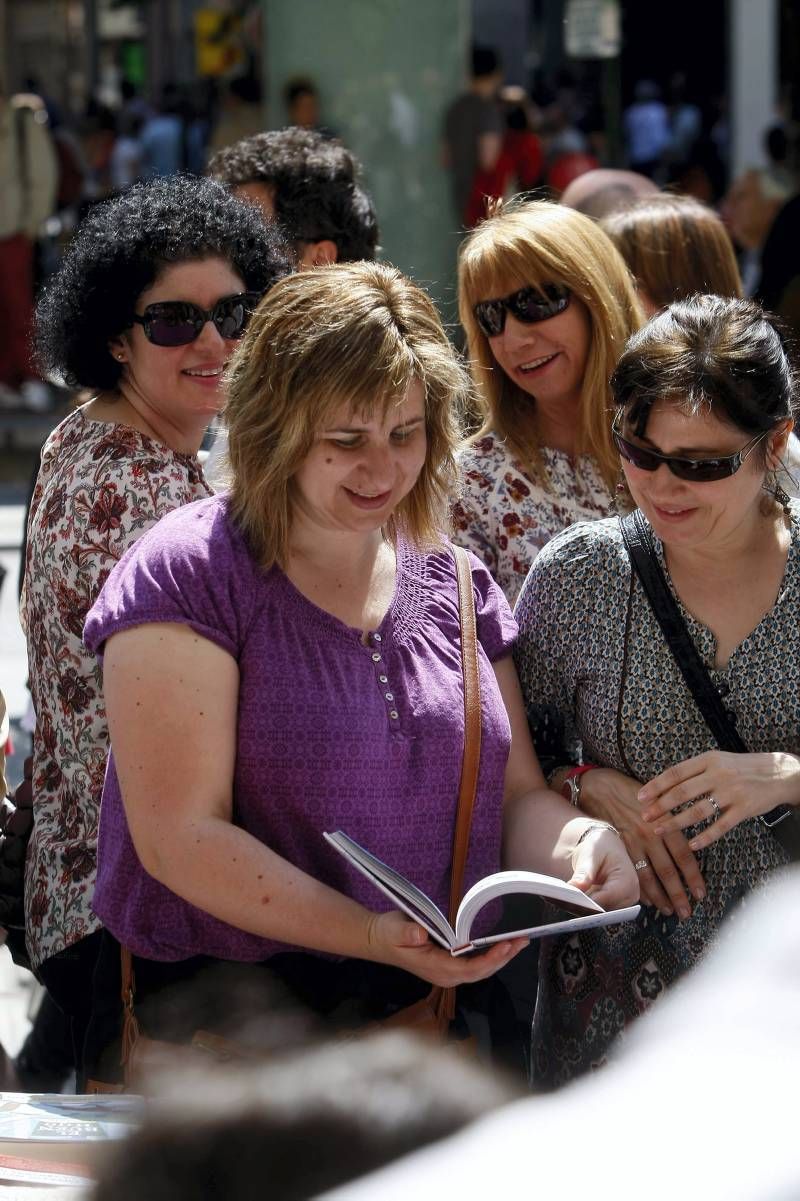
point(329, 460)
point(265, 900)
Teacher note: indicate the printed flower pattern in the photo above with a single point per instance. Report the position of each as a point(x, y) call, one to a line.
point(506, 518)
point(100, 487)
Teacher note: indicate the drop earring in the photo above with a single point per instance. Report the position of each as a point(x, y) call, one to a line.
point(620, 503)
point(782, 498)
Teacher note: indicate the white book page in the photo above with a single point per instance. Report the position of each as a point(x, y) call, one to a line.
point(502, 884)
point(604, 918)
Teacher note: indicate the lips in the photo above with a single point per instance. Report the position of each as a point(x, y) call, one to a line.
point(363, 500)
point(536, 364)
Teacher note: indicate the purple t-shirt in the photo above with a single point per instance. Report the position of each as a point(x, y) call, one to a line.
point(332, 734)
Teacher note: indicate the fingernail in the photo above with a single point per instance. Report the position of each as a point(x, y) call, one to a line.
point(666, 912)
point(694, 846)
point(700, 894)
point(641, 795)
point(683, 912)
point(659, 830)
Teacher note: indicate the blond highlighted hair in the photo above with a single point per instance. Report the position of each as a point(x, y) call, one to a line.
point(528, 245)
point(355, 335)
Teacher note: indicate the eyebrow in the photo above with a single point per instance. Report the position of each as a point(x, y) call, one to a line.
point(361, 429)
point(682, 452)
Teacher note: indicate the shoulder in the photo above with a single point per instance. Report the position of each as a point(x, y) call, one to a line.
point(484, 456)
point(588, 549)
point(497, 628)
point(198, 533)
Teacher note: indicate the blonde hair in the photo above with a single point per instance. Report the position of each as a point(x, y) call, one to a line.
point(355, 334)
point(532, 244)
point(676, 247)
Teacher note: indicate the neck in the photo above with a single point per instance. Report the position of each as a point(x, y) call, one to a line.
point(558, 430)
point(142, 415)
point(335, 550)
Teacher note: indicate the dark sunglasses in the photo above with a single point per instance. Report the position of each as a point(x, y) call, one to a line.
point(699, 471)
point(528, 305)
point(179, 322)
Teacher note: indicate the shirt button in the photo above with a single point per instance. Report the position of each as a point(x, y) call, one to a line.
point(376, 657)
point(723, 688)
point(389, 696)
point(394, 714)
point(383, 679)
point(376, 638)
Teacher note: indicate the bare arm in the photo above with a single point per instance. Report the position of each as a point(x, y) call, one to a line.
point(174, 750)
point(541, 830)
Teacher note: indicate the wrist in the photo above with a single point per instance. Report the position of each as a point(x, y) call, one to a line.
point(572, 783)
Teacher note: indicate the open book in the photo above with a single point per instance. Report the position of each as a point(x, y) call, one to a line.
point(413, 901)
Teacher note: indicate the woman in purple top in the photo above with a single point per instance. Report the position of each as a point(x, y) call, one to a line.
point(284, 659)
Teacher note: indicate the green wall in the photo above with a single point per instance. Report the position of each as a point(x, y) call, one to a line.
point(386, 70)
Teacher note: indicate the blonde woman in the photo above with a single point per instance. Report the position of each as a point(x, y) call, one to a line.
point(321, 600)
point(675, 246)
point(547, 305)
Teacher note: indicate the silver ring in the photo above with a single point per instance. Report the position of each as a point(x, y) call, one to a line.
point(641, 864)
point(715, 807)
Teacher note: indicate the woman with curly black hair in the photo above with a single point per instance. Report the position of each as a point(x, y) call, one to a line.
point(145, 311)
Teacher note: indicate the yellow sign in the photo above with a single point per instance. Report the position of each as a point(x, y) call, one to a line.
point(218, 44)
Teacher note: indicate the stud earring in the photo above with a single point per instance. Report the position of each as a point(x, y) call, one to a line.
point(621, 503)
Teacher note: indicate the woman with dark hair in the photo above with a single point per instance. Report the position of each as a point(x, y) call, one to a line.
point(705, 400)
point(144, 311)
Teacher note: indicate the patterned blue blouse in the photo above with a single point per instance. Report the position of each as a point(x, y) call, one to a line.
point(600, 683)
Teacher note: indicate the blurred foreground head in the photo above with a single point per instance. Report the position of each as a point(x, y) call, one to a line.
point(300, 1124)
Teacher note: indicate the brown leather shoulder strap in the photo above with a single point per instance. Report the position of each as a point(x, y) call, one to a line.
point(472, 727)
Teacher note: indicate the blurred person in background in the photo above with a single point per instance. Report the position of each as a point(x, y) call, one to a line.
point(301, 99)
point(162, 136)
point(547, 305)
point(646, 126)
point(144, 311)
point(240, 114)
point(604, 190)
point(28, 190)
point(519, 165)
point(473, 129)
point(750, 209)
point(127, 155)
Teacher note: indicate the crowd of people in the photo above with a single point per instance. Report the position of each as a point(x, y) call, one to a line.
point(229, 659)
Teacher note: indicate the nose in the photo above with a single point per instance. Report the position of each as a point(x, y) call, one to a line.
point(376, 465)
point(516, 331)
point(211, 341)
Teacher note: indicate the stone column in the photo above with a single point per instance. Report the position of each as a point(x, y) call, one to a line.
point(385, 72)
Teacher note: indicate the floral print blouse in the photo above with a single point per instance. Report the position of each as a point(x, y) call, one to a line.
point(506, 518)
point(100, 487)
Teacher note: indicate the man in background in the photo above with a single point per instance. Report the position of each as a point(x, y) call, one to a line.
point(309, 184)
point(473, 129)
point(28, 185)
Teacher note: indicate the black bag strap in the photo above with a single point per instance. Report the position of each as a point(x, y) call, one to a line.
point(639, 545)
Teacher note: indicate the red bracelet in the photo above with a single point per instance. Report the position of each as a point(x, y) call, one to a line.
point(571, 788)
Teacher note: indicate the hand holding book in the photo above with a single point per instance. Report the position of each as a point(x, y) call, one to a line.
point(412, 901)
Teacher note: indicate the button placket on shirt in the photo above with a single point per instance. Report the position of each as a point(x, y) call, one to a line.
point(383, 679)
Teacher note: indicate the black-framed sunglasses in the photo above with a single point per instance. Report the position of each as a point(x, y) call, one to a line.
point(179, 322)
point(698, 471)
point(528, 305)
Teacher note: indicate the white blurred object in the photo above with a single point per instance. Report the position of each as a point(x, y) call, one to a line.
point(701, 1102)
